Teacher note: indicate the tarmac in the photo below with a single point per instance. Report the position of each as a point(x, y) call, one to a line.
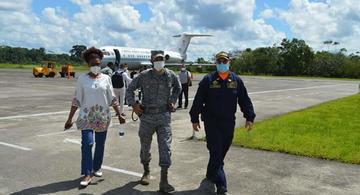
point(38, 157)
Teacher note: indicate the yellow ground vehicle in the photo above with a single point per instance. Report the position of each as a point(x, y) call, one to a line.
point(47, 69)
point(66, 70)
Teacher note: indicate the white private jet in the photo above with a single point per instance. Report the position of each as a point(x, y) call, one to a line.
point(137, 58)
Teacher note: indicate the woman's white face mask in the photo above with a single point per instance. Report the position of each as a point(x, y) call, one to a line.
point(159, 65)
point(95, 70)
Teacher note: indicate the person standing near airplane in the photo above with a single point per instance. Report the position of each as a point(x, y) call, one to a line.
point(185, 77)
point(120, 80)
point(216, 100)
point(160, 88)
point(93, 96)
point(108, 69)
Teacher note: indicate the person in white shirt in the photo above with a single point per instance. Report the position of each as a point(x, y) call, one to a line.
point(93, 96)
point(185, 77)
point(120, 83)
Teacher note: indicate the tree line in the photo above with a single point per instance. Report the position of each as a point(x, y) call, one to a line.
point(289, 58)
point(295, 58)
point(19, 55)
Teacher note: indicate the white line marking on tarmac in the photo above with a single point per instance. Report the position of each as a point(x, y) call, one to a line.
point(33, 115)
point(56, 133)
point(15, 146)
point(121, 171)
point(293, 89)
point(75, 141)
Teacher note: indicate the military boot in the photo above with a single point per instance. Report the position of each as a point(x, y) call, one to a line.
point(164, 184)
point(145, 179)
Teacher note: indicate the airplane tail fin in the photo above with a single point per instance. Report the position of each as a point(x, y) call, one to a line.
point(185, 41)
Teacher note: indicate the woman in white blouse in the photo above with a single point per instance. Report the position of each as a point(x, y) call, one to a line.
point(93, 96)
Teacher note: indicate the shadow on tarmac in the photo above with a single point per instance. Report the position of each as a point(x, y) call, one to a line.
point(205, 188)
point(54, 187)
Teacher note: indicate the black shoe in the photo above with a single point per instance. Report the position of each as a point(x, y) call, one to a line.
point(221, 190)
point(185, 107)
point(179, 107)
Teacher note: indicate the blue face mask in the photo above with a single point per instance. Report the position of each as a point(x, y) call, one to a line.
point(222, 67)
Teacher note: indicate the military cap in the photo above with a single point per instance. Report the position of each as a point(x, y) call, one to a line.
point(157, 53)
point(222, 55)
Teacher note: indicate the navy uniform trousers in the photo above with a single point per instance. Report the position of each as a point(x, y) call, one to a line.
point(219, 136)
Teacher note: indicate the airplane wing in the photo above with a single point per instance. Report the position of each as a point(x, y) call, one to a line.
point(177, 64)
point(196, 64)
point(193, 64)
point(146, 63)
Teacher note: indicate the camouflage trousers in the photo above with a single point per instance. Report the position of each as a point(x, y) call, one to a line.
point(159, 123)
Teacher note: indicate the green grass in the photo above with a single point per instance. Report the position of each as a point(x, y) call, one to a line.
point(330, 131)
point(17, 66)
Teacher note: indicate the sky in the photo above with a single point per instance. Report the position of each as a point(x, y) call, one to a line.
point(57, 25)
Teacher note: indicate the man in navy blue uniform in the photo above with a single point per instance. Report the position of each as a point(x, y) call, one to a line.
point(216, 100)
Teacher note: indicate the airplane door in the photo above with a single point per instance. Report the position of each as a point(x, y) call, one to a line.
point(117, 56)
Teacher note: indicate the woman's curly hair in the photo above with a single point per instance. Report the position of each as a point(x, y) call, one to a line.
point(86, 54)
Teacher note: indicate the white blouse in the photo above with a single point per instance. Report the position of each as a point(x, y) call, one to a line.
point(94, 96)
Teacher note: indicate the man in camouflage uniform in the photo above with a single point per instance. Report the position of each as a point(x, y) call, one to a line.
point(160, 88)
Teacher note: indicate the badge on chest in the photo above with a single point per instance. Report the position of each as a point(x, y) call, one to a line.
point(231, 84)
point(215, 84)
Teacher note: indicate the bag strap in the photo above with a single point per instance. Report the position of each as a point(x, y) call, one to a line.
point(188, 74)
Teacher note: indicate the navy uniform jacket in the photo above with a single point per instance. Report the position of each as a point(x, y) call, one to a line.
point(217, 99)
